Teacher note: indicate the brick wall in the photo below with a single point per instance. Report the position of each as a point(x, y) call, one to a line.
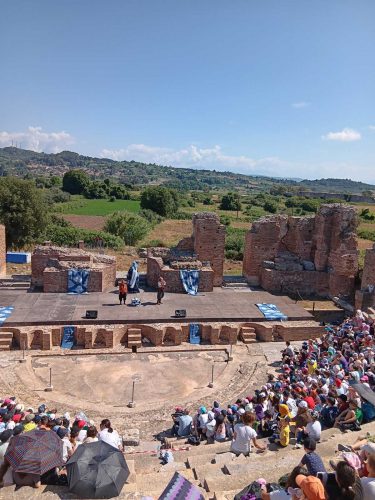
point(291, 254)
point(209, 242)
point(368, 275)
point(156, 268)
point(304, 282)
point(50, 265)
point(164, 334)
point(3, 251)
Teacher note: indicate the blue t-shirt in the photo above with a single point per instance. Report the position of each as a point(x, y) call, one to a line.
point(313, 463)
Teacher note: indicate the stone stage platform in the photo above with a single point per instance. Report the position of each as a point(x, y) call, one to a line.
point(221, 305)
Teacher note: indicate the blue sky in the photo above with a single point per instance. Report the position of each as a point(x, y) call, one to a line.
point(275, 87)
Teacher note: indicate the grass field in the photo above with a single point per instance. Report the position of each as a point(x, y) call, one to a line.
point(82, 206)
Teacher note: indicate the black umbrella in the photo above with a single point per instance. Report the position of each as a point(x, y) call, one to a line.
point(97, 470)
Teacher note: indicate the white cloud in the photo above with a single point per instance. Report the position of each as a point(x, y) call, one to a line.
point(195, 157)
point(345, 135)
point(371, 127)
point(300, 104)
point(36, 139)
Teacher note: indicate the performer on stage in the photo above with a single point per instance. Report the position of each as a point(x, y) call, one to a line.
point(161, 286)
point(133, 278)
point(122, 291)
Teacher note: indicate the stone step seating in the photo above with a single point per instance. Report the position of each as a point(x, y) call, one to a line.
point(16, 281)
point(221, 473)
point(248, 335)
point(6, 339)
point(134, 337)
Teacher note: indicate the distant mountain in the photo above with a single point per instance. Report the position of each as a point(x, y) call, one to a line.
point(25, 163)
point(336, 186)
point(21, 162)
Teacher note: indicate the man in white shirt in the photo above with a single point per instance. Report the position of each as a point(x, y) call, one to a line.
point(62, 432)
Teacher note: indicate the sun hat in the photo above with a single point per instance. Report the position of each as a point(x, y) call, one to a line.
point(29, 417)
point(19, 407)
point(284, 410)
point(311, 486)
point(303, 404)
point(241, 411)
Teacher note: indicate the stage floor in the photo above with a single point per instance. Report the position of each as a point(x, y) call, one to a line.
point(221, 305)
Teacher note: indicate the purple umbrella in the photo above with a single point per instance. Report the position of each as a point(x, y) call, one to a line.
point(35, 452)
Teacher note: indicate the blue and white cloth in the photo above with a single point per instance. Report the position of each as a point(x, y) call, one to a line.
point(271, 312)
point(67, 340)
point(78, 280)
point(133, 278)
point(190, 281)
point(5, 312)
point(194, 334)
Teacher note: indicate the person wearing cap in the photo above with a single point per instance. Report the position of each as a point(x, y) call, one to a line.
point(67, 445)
point(303, 417)
point(202, 421)
point(311, 487)
point(29, 424)
point(244, 435)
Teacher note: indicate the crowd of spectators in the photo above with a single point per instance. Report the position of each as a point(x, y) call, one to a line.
point(16, 419)
point(325, 383)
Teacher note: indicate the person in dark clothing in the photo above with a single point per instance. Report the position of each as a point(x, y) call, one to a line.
point(161, 286)
point(311, 460)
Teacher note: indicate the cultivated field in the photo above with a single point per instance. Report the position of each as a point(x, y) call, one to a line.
point(83, 206)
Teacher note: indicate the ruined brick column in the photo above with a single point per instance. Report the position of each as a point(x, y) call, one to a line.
point(368, 276)
point(3, 251)
point(209, 242)
point(365, 297)
point(262, 243)
point(335, 242)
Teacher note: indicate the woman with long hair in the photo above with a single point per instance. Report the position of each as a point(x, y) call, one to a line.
point(108, 435)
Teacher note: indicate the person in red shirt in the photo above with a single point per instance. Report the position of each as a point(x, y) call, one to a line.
point(122, 291)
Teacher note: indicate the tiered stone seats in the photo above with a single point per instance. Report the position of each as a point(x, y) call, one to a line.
point(218, 473)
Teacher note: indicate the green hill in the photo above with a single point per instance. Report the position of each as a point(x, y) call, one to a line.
point(25, 163)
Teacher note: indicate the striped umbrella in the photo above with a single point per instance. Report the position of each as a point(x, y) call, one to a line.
point(35, 452)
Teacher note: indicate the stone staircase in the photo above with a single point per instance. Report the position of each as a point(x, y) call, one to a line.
point(17, 281)
point(134, 337)
point(248, 335)
point(218, 474)
point(233, 281)
point(6, 339)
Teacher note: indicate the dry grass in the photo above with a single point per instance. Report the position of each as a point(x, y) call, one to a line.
point(169, 232)
point(92, 222)
point(363, 244)
point(319, 304)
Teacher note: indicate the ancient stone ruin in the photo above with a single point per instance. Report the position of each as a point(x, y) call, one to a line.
point(365, 297)
point(203, 251)
point(314, 255)
point(50, 266)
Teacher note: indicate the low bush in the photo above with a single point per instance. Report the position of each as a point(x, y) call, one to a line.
point(235, 243)
point(70, 236)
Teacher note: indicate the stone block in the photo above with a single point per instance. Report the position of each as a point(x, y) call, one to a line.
point(308, 265)
point(131, 437)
